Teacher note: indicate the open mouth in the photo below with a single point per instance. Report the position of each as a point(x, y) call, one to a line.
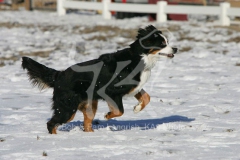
point(168, 55)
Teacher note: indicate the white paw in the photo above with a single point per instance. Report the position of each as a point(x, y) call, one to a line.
point(137, 108)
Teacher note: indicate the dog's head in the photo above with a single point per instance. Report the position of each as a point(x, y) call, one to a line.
point(152, 41)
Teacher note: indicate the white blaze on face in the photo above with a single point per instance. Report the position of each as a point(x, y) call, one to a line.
point(164, 38)
point(167, 49)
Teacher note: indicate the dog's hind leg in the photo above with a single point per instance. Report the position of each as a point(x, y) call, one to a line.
point(60, 116)
point(143, 99)
point(89, 110)
point(116, 108)
point(59, 119)
point(72, 117)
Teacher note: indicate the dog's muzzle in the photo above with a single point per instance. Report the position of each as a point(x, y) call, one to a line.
point(171, 55)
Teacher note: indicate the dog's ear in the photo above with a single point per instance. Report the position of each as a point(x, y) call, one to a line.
point(150, 28)
point(144, 32)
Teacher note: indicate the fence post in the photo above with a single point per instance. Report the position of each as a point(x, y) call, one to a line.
point(60, 9)
point(223, 16)
point(161, 15)
point(106, 13)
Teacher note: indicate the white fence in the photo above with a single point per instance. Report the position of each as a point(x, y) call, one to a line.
point(161, 9)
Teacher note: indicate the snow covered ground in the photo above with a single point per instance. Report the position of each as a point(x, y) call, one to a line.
point(195, 105)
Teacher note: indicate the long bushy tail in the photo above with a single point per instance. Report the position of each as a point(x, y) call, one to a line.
point(39, 74)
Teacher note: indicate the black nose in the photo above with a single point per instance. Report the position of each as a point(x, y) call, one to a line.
point(175, 50)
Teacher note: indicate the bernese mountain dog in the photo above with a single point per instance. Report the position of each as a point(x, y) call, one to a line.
point(109, 78)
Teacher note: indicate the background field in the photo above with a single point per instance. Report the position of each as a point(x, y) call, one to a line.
point(194, 110)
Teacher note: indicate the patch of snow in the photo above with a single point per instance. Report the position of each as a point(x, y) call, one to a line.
point(194, 108)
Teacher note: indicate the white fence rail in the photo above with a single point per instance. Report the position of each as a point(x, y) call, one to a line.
point(161, 9)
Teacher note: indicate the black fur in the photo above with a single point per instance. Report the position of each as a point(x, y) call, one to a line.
point(73, 85)
point(39, 74)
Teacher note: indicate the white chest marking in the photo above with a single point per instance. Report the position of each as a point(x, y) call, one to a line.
point(149, 61)
point(143, 79)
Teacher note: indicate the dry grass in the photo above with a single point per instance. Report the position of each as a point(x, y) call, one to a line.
point(2, 139)
point(237, 64)
point(185, 49)
point(44, 154)
point(108, 32)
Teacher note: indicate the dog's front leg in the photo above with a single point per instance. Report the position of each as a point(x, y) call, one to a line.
point(143, 98)
point(89, 111)
point(116, 107)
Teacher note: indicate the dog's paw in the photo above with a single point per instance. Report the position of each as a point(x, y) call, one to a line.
point(137, 108)
point(105, 116)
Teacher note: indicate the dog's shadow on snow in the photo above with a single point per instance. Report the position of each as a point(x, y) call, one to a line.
point(119, 125)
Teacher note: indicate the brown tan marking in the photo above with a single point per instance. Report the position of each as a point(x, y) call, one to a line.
point(143, 98)
point(89, 111)
point(54, 131)
point(114, 112)
point(153, 51)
